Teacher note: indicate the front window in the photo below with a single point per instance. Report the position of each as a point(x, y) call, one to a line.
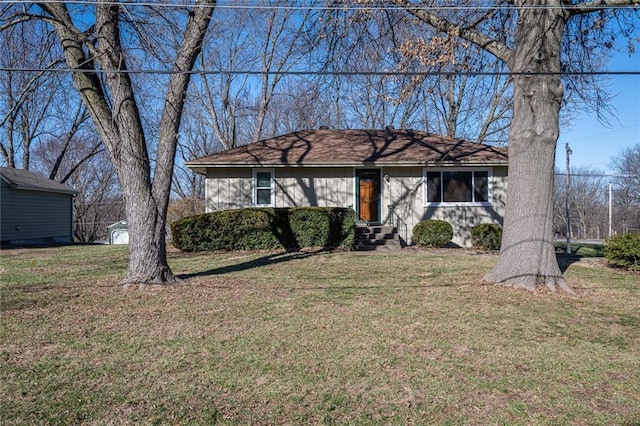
point(457, 187)
point(263, 188)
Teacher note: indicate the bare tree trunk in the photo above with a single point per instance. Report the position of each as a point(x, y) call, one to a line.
point(527, 257)
point(118, 121)
point(147, 245)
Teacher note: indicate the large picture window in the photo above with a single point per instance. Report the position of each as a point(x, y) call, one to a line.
point(457, 187)
point(263, 188)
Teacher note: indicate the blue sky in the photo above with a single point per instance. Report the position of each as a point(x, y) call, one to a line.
point(593, 144)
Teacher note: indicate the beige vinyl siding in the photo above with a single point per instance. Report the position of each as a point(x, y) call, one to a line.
point(35, 215)
point(228, 188)
point(405, 192)
point(320, 186)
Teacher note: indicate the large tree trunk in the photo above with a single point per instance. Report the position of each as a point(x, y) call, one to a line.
point(115, 113)
point(147, 246)
point(527, 257)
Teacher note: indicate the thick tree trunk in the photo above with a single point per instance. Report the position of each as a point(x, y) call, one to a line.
point(527, 257)
point(119, 124)
point(147, 245)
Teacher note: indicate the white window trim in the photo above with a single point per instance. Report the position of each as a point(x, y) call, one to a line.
point(488, 203)
point(254, 187)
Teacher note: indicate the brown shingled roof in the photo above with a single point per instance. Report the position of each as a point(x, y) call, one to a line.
point(331, 147)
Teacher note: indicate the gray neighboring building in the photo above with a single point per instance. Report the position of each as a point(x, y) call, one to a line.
point(34, 209)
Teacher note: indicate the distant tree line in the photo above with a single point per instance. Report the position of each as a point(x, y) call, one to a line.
point(589, 196)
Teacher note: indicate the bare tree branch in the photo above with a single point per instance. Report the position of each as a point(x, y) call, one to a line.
point(495, 47)
point(27, 89)
point(596, 5)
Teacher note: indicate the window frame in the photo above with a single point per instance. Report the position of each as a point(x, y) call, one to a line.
point(271, 187)
point(473, 170)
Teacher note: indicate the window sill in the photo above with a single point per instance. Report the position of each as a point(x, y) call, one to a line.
point(460, 204)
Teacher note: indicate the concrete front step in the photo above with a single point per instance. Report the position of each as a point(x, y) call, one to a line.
point(377, 247)
point(378, 238)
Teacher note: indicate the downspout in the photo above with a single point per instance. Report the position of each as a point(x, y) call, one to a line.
point(206, 190)
point(73, 197)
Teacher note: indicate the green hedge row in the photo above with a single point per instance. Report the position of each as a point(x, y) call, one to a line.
point(266, 228)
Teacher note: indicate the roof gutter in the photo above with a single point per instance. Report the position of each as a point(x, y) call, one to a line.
point(201, 168)
point(22, 187)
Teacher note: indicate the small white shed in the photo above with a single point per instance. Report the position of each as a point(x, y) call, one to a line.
point(118, 233)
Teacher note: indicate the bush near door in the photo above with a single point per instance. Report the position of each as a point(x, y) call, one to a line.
point(432, 233)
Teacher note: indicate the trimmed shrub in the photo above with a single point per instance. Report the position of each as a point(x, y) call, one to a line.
point(267, 228)
point(623, 251)
point(486, 236)
point(310, 227)
point(226, 230)
point(432, 233)
point(323, 227)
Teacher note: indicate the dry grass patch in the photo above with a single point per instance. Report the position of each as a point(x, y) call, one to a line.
point(312, 337)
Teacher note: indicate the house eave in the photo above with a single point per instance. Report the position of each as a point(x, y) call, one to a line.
point(40, 189)
point(36, 188)
point(202, 167)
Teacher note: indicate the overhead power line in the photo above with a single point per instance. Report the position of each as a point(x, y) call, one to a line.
point(617, 176)
point(321, 73)
point(345, 6)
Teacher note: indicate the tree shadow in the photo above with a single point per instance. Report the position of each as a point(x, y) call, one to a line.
point(566, 260)
point(267, 260)
point(578, 251)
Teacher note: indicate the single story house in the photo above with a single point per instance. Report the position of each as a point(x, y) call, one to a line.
point(387, 176)
point(34, 209)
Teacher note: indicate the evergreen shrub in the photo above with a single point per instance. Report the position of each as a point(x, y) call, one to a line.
point(486, 236)
point(623, 251)
point(432, 233)
point(266, 228)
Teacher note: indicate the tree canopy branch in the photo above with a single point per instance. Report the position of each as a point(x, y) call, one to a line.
point(495, 47)
point(595, 5)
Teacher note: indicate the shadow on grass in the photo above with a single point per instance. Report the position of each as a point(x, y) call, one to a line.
point(578, 251)
point(270, 259)
point(282, 257)
point(566, 260)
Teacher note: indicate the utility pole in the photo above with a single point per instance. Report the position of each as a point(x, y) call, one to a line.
point(610, 210)
point(567, 248)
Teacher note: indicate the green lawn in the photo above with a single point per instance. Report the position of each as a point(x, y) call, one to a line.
point(312, 338)
point(581, 249)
